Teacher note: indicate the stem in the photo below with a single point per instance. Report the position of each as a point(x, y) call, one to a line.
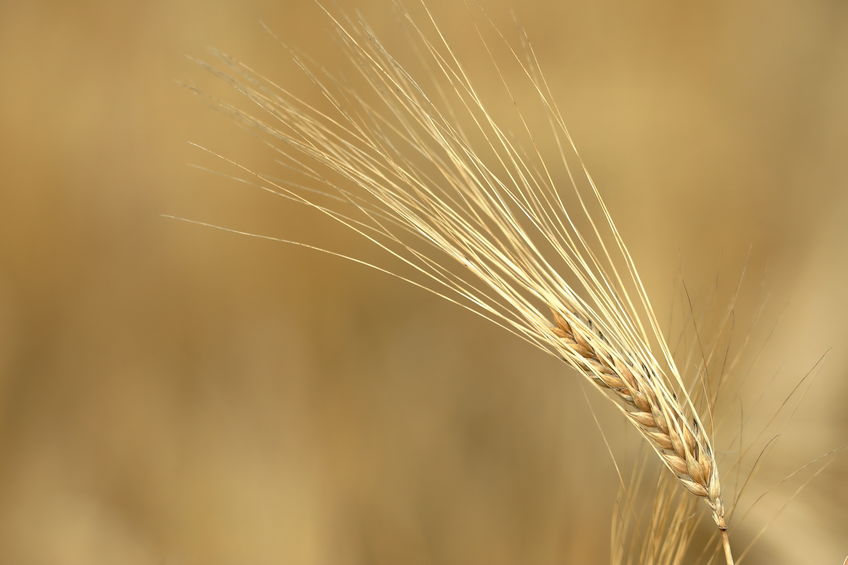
point(725, 542)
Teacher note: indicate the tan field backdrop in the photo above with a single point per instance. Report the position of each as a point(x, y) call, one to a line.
point(175, 395)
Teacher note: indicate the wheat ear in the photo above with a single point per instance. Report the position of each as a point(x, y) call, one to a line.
point(682, 446)
point(474, 215)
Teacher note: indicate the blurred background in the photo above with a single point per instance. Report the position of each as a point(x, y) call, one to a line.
point(171, 394)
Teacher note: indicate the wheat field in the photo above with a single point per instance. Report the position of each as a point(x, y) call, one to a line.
point(181, 395)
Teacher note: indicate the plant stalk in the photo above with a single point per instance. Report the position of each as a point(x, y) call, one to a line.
point(725, 542)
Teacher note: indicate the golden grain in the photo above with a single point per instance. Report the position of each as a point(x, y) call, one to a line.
point(476, 215)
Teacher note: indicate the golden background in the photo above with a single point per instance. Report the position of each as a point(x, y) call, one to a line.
point(175, 395)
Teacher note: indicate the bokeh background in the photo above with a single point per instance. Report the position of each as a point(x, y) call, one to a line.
point(175, 395)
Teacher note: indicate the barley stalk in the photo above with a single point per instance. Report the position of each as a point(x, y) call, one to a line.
point(475, 216)
point(682, 446)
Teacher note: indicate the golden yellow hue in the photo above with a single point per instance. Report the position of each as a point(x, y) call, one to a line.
point(179, 395)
